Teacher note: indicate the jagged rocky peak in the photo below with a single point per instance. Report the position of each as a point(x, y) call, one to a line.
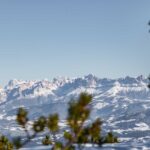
point(13, 83)
point(132, 80)
point(60, 81)
point(22, 84)
point(62, 85)
point(141, 78)
point(90, 77)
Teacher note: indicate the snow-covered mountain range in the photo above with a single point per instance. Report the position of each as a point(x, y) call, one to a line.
point(123, 103)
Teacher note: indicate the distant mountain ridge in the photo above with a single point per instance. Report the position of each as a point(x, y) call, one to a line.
point(18, 89)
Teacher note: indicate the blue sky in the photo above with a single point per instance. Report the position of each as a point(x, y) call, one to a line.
point(44, 39)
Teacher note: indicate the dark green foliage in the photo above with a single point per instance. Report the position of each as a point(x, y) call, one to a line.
point(110, 138)
point(52, 123)
point(46, 140)
point(149, 82)
point(149, 24)
point(5, 144)
point(79, 111)
point(40, 124)
point(17, 142)
point(68, 136)
point(95, 131)
point(22, 116)
point(58, 146)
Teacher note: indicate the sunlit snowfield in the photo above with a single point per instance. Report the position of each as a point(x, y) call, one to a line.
point(123, 104)
point(120, 146)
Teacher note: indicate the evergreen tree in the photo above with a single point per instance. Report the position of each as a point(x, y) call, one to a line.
point(5, 144)
point(149, 82)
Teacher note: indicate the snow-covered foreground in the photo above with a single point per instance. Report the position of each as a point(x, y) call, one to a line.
point(123, 104)
point(119, 146)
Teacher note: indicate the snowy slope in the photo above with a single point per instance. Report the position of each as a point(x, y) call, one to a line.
point(123, 104)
